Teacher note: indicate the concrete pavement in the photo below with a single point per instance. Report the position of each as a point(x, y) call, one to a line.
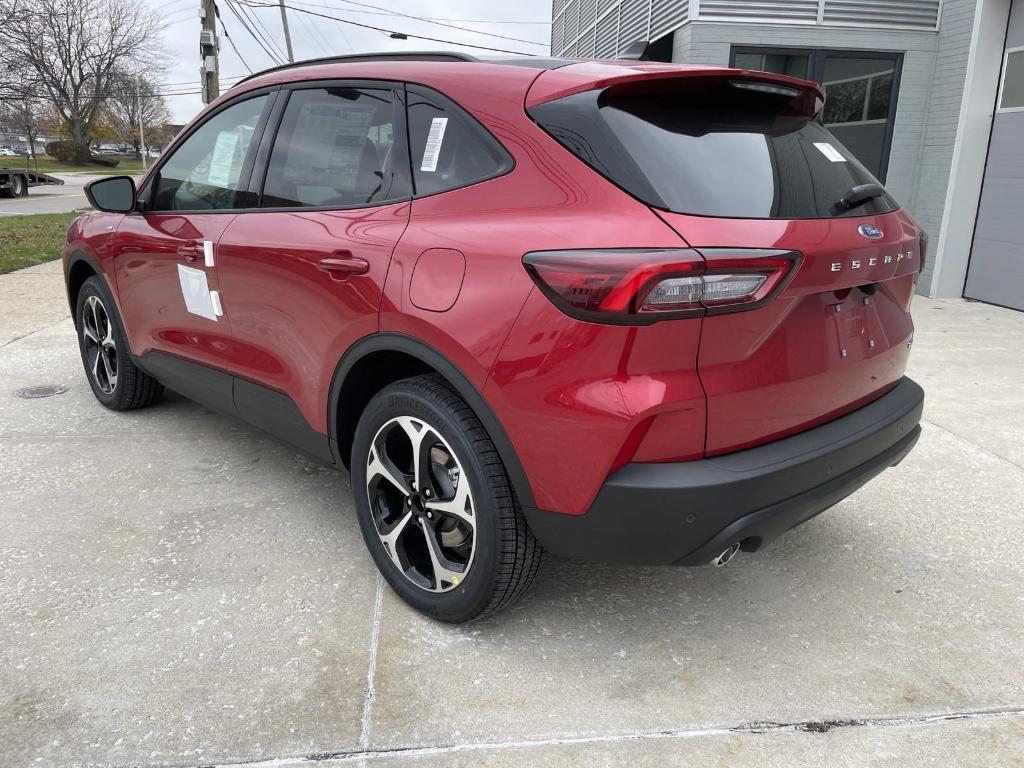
point(176, 589)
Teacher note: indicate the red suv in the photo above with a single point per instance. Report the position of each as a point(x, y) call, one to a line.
point(635, 312)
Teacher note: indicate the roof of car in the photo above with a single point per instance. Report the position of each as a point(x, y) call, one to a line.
point(560, 76)
point(534, 62)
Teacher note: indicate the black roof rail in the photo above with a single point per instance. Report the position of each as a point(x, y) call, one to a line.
point(353, 57)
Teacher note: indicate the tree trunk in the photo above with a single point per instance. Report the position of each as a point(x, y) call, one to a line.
point(79, 142)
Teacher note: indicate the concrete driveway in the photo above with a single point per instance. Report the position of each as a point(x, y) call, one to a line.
point(178, 590)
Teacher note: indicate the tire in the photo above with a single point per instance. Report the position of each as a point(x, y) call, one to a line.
point(19, 186)
point(112, 374)
point(483, 555)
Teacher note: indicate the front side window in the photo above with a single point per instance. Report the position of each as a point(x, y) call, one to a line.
point(204, 172)
point(336, 148)
point(449, 149)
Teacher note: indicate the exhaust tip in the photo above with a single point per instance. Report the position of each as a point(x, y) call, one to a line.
point(726, 555)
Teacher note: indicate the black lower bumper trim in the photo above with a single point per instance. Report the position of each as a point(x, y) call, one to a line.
point(687, 513)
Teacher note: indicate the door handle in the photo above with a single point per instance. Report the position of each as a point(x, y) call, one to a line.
point(343, 265)
point(191, 250)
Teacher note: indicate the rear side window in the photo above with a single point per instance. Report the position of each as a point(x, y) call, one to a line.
point(713, 149)
point(335, 148)
point(449, 148)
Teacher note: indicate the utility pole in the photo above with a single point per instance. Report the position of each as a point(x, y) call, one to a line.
point(208, 49)
point(138, 108)
point(287, 35)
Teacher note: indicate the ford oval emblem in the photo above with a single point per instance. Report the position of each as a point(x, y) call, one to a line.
point(870, 231)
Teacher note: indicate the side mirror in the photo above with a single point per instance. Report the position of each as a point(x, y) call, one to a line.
point(114, 194)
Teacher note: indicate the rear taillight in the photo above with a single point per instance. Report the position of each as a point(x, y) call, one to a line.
point(642, 286)
point(923, 247)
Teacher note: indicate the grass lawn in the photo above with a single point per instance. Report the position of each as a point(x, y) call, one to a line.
point(28, 240)
point(126, 164)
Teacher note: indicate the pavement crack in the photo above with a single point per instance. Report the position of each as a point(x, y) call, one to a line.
point(371, 671)
point(37, 330)
point(980, 447)
point(754, 728)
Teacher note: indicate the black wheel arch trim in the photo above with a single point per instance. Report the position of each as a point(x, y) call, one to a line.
point(397, 342)
point(78, 257)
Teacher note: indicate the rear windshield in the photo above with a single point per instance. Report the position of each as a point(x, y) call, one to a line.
point(713, 149)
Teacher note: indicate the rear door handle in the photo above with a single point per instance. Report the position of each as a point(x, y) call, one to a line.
point(343, 265)
point(191, 250)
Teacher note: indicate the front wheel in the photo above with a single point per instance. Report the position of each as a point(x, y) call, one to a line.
point(113, 376)
point(435, 505)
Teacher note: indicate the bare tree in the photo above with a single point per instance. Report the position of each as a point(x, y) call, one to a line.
point(23, 111)
point(71, 48)
point(133, 100)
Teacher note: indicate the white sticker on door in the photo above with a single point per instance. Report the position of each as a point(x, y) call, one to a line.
point(829, 151)
point(196, 292)
point(433, 147)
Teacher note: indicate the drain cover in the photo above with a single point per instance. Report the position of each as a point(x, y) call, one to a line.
point(44, 390)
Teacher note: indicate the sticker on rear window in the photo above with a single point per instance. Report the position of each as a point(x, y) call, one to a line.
point(433, 147)
point(829, 151)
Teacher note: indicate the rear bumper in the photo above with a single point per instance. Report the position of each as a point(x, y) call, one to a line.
point(689, 512)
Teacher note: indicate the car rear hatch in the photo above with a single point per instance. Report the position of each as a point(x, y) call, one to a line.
point(736, 160)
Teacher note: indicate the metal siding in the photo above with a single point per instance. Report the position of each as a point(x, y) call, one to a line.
point(572, 22)
point(607, 45)
point(667, 15)
point(902, 13)
point(635, 15)
point(773, 10)
point(588, 12)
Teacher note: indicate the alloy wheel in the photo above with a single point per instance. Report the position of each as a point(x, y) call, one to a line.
point(100, 347)
point(421, 503)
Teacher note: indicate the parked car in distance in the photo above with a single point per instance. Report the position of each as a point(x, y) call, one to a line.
point(634, 312)
point(7, 152)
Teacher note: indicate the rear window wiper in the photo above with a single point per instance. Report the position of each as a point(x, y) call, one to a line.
point(859, 195)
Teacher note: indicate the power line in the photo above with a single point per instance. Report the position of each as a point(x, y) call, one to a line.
point(267, 34)
point(429, 21)
point(386, 12)
point(231, 42)
point(247, 28)
point(392, 31)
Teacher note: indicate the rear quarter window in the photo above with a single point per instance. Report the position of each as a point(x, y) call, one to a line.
point(448, 148)
point(711, 149)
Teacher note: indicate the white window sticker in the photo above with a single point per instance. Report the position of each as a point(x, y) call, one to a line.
point(222, 159)
point(433, 147)
point(196, 292)
point(829, 151)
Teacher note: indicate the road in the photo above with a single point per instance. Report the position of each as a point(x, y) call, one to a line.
point(179, 590)
point(69, 197)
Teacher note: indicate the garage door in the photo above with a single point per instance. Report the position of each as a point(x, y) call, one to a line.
point(996, 272)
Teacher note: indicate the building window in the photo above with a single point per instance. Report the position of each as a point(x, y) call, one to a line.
point(861, 88)
point(1011, 93)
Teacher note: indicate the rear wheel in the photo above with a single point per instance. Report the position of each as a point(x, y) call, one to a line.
point(113, 376)
point(435, 505)
point(16, 186)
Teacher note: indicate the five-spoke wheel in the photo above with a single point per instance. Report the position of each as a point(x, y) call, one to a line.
point(100, 345)
point(422, 503)
point(435, 504)
point(114, 378)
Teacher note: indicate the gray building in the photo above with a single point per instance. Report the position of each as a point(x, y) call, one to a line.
point(928, 94)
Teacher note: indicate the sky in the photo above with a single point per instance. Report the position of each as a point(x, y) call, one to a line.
point(314, 36)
